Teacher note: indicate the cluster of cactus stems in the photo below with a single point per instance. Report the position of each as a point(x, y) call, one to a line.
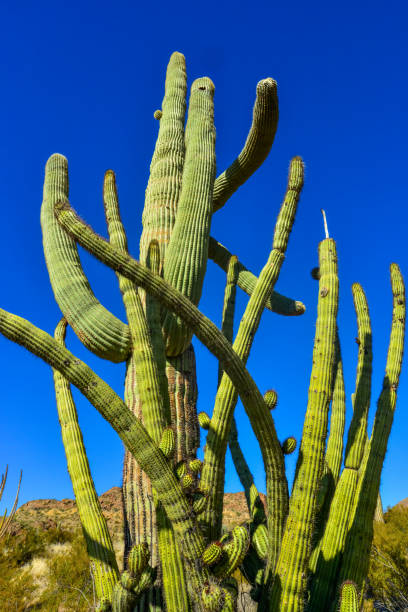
point(5, 520)
point(305, 551)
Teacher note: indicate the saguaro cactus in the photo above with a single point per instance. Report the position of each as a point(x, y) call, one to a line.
point(297, 550)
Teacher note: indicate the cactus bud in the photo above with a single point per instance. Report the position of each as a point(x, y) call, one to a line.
point(158, 114)
point(271, 399)
point(289, 445)
point(181, 469)
point(204, 420)
point(212, 553)
point(138, 559)
point(167, 442)
point(187, 481)
point(195, 466)
point(199, 502)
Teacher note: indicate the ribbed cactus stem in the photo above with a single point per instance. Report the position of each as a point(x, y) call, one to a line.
point(289, 588)
point(98, 541)
point(166, 169)
point(187, 252)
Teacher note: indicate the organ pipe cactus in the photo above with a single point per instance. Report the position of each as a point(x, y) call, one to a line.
point(296, 550)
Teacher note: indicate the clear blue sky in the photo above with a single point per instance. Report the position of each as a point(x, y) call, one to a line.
point(84, 78)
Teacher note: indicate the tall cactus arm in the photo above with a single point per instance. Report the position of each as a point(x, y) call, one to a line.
point(246, 281)
point(98, 541)
point(289, 588)
point(257, 145)
point(132, 433)
point(186, 256)
point(356, 556)
point(333, 457)
point(153, 392)
point(171, 299)
point(335, 533)
point(99, 330)
point(212, 477)
point(166, 168)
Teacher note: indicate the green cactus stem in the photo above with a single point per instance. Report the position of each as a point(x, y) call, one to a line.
point(246, 281)
point(335, 533)
point(100, 331)
point(354, 566)
point(98, 541)
point(187, 251)
point(257, 145)
point(289, 587)
point(349, 597)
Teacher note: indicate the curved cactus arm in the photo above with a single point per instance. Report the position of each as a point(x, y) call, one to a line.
point(289, 588)
point(166, 168)
point(212, 478)
point(202, 327)
point(356, 556)
point(98, 541)
point(187, 252)
point(99, 330)
point(151, 387)
point(335, 533)
point(257, 145)
point(246, 281)
point(7, 518)
point(130, 430)
point(349, 597)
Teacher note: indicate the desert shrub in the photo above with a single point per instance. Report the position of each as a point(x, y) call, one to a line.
point(388, 574)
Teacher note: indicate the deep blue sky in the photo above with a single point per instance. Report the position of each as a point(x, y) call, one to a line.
point(84, 78)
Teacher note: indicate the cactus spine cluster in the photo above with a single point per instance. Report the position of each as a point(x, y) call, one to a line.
point(299, 551)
